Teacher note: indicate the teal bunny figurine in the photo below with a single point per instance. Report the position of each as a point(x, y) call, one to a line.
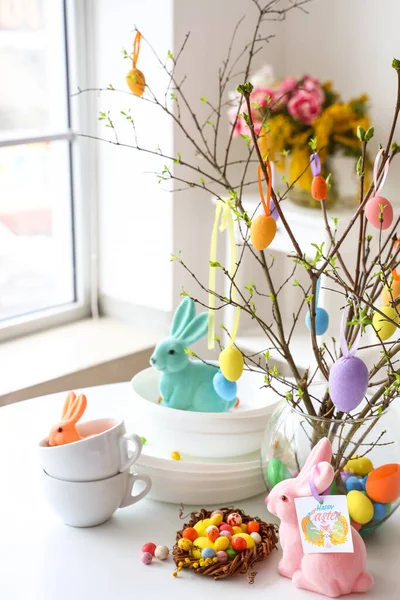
point(185, 384)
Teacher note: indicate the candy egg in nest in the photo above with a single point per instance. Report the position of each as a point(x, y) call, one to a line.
point(348, 382)
point(262, 231)
point(379, 212)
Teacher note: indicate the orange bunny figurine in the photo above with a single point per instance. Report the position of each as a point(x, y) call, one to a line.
point(66, 432)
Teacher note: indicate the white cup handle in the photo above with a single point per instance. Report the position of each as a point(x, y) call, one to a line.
point(128, 498)
point(127, 462)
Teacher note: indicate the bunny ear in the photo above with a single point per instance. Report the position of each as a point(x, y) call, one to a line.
point(323, 477)
point(77, 409)
point(321, 452)
point(67, 406)
point(184, 314)
point(195, 330)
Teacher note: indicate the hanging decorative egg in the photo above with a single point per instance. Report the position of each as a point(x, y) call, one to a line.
point(319, 187)
point(378, 210)
point(388, 296)
point(321, 315)
point(263, 227)
point(384, 329)
point(231, 363)
point(135, 78)
point(348, 377)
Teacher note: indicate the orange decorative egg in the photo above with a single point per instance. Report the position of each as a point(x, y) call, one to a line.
point(262, 231)
point(383, 484)
point(136, 82)
point(319, 188)
point(387, 296)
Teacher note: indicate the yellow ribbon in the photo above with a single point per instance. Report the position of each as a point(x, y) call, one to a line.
point(222, 213)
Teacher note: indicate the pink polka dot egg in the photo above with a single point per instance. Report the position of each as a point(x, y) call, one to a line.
point(379, 212)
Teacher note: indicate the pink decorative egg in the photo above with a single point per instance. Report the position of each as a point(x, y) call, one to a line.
point(374, 207)
point(348, 382)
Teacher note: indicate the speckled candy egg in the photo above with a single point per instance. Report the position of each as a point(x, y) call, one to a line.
point(208, 553)
point(384, 329)
point(256, 537)
point(146, 558)
point(262, 231)
point(221, 543)
point(360, 507)
point(161, 552)
point(225, 527)
point(250, 543)
point(212, 532)
point(379, 212)
point(234, 519)
point(190, 533)
point(231, 363)
point(348, 382)
point(185, 544)
point(225, 533)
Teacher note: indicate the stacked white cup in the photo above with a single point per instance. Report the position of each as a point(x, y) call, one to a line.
point(86, 481)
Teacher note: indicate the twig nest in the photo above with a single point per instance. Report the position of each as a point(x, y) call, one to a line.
point(225, 389)
point(136, 82)
point(321, 321)
point(348, 382)
point(319, 188)
point(219, 558)
point(379, 212)
point(262, 231)
point(384, 329)
point(231, 362)
point(387, 297)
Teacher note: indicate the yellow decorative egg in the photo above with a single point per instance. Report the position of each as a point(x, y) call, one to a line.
point(360, 507)
point(359, 466)
point(248, 539)
point(136, 82)
point(231, 363)
point(199, 544)
point(216, 519)
point(385, 329)
point(221, 543)
point(237, 530)
point(262, 231)
point(202, 525)
point(387, 297)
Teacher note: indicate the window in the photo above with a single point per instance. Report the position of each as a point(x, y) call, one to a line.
point(38, 274)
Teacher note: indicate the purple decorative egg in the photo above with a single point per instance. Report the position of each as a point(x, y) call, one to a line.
point(348, 382)
point(272, 210)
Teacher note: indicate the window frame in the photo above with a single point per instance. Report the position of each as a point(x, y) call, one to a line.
point(83, 187)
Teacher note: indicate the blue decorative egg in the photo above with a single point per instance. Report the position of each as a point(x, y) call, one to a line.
point(321, 321)
point(364, 481)
point(379, 511)
point(227, 390)
point(354, 483)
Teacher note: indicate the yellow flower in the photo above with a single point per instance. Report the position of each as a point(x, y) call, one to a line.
point(299, 167)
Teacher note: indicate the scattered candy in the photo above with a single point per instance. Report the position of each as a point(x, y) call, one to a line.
point(239, 544)
point(212, 532)
point(353, 483)
point(146, 558)
point(222, 556)
point(234, 519)
point(383, 484)
point(360, 507)
point(221, 543)
point(175, 456)
point(185, 544)
point(149, 547)
point(256, 537)
point(190, 533)
point(253, 527)
point(161, 552)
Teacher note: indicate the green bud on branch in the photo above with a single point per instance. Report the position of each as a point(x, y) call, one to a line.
point(361, 133)
point(396, 64)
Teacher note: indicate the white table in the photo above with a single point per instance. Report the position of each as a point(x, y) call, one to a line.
point(42, 559)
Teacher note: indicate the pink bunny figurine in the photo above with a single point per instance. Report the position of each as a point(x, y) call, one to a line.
point(333, 574)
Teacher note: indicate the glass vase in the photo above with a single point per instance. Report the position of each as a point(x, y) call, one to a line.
point(291, 434)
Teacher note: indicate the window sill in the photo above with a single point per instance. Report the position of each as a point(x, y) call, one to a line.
point(73, 355)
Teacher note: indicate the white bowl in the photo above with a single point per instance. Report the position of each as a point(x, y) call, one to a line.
point(235, 433)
